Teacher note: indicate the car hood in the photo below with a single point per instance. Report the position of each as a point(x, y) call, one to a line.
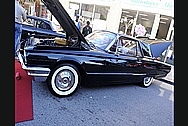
point(61, 15)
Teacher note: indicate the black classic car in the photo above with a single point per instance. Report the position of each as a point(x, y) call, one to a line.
point(40, 27)
point(102, 57)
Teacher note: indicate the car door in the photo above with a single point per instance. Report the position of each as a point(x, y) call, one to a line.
point(124, 67)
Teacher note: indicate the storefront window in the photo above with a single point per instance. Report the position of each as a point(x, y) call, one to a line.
point(100, 16)
point(75, 7)
point(94, 13)
point(126, 21)
point(86, 14)
point(87, 11)
point(101, 12)
point(164, 25)
point(146, 19)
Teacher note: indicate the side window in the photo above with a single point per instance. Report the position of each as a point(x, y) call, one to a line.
point(145, 50)
point(43, 25)
point(116, 47)
point(130, 47)
point(48, 26)
point(38, 24)
point(30, 22)
point(113, 47)
point(126, 46)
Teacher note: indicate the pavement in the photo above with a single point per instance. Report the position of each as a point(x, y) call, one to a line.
point(170, 77)
point(105, 105)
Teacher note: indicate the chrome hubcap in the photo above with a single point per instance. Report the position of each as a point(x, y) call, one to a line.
point(64, 80)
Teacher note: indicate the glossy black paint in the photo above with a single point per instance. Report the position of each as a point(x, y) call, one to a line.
point(97, 64)
point(98, 67)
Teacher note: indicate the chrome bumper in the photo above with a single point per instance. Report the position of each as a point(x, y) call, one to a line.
point(33, 71)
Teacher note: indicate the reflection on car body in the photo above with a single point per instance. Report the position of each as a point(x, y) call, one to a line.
point(95, 59)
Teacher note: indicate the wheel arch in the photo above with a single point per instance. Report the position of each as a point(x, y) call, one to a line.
point(76, 64)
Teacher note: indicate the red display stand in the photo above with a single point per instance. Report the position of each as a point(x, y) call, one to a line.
point(23, 94)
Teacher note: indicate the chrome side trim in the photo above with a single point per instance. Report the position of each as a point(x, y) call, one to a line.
point(134, 74)
point(37, 74)
point(35, 68)
point(36, 71)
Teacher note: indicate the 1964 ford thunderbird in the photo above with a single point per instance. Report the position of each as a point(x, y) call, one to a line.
point(102, 57)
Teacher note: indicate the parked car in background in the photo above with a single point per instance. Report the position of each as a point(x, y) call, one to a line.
point(40, 27)
point(102, 57)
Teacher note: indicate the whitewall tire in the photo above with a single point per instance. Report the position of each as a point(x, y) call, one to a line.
point(147, 81)
point(64, 80)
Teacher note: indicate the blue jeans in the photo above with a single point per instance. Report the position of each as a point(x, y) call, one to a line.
point(18, 32)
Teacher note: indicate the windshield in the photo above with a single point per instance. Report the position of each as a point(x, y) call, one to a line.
point(101, 39)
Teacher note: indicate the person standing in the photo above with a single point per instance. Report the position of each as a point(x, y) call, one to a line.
point(20, 16)
point(87, 29)
point(77, 22)
point(122, 26)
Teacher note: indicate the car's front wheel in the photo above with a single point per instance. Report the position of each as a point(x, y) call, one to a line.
point(146, 82)
point(64, 80)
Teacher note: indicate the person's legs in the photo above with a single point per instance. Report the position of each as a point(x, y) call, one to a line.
point(18, 32)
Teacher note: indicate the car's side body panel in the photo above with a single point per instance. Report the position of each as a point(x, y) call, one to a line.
point(99, 67)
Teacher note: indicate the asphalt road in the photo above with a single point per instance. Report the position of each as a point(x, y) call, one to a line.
point(118, 105)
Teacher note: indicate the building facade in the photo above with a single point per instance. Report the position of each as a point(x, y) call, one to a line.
point(156, 16)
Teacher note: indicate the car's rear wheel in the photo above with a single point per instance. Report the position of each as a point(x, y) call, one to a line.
point(146, 82)
point(64, 80)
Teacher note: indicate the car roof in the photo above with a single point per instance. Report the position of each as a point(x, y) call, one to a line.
point(38, 18)
point(127, 36)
